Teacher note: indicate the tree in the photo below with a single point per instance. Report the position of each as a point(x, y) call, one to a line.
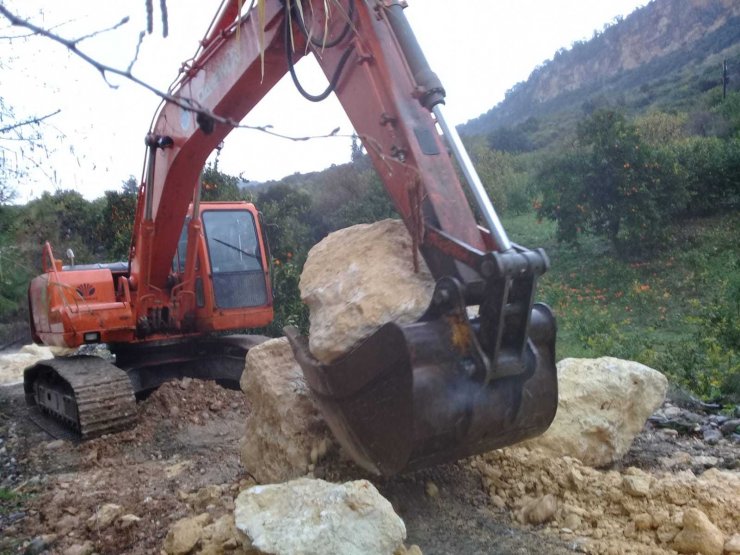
point(614, 184)
point(118, 219)
point(219, 186)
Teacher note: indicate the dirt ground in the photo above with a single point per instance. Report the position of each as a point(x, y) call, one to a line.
point(183, 457)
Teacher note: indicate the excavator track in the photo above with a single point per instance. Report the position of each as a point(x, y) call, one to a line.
point(87, 394)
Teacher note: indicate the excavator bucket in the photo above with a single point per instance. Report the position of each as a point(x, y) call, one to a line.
point(445, 387)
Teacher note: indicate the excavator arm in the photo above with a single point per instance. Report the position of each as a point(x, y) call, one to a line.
point(442, 388)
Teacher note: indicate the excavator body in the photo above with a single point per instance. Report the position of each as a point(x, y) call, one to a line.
point(476, 372)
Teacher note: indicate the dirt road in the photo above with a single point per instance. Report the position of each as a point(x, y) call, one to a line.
point(187, 442)
point(182, 459)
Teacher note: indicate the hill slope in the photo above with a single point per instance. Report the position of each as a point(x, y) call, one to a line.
point(661, 54)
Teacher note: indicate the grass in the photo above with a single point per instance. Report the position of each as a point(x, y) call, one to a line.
point(676, 311)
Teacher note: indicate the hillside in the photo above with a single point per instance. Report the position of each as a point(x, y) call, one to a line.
point(661, 55)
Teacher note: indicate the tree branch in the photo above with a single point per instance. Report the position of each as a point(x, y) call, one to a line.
point(183, 102)
point(31, 121)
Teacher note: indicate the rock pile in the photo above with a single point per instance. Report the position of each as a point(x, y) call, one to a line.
point(614, 512)
point(603, 404)
point(712, 427)
point(359, 278)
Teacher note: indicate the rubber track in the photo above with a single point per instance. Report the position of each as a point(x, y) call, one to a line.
point(103, 392)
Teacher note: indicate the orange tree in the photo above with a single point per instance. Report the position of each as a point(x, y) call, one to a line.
point(613, 184)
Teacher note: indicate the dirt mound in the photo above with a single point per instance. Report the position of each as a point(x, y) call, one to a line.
point(186, 439)
point(627, 511)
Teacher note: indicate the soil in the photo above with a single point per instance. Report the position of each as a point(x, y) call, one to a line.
point(183, 458)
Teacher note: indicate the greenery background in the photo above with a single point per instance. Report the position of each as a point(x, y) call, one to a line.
point(631, 184)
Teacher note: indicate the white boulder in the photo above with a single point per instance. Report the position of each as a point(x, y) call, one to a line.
point(359, 278)
point(603, 404)
point(285, 432)
point(314, 517)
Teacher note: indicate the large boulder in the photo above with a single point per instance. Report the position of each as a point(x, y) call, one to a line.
point(314, 517)
point(603, 404)
point(359, 278)
point(12, 365)
point(285, 432)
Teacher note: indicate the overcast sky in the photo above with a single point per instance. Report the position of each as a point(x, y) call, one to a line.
point(479, 48)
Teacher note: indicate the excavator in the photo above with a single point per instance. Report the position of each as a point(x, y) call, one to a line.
point(476, 372)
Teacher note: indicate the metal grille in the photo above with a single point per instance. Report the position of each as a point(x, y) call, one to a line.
point(239, 289)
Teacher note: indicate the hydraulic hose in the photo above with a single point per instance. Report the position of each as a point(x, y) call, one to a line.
point(316, 42)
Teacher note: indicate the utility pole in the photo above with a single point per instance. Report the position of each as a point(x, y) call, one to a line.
point(725, 79)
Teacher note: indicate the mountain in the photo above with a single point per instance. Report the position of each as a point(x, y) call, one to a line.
point(660, 55)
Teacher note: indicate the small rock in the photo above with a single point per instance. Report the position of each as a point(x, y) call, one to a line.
point(698, 535)
point(730, 427)
point(680, 458)
point(498, 502)
point(128, 521)
point(39, 544)
point(666, 532)
point(431, 489)
point(711, 436)
point(66, 524)
point(209, 495)
point(185, 534)
point(540, 510)
point(56, 444)
point(572, 522)
point(636, 485)
point(705, 461)
point(104, 517)
point(643, 521)
point(732, 545)
point(185, 383)
point(86, 548)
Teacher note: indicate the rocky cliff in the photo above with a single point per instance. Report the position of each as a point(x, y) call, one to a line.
point(659, 39)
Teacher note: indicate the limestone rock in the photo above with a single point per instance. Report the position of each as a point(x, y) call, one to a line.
point(540, 510)
point(223, 536)
point(603, 404)
point(285, 431)
point(732, 545)
point(359, 278)
point(104, 516)
point(128, 521)
point(12, 365)
point(86, 548)
point(698, 535)
point(185, 534)
point(314, 517)
point(636, 485)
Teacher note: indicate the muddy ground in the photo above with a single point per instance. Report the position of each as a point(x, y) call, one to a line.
point(188, 439)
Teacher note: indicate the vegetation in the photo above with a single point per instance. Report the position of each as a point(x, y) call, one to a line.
point(634, 194)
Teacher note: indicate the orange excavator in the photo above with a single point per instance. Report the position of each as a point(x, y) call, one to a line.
point(409, 396)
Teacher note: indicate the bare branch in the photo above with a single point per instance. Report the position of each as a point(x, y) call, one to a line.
point(136, 54)
point(101, 31)
point(30, 121)
point(183, 102)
